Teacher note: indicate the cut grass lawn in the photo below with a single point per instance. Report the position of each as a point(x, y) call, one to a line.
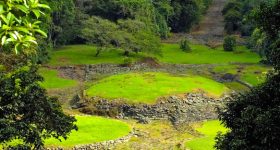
point(252, 74)
point(147, 87)
point(201, 54)
point(171, 53)
point(209, 130)
point(53, 81)
point(85, 54)
point(91, 130)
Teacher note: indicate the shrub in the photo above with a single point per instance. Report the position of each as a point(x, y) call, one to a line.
point(229, 43)
point(184, 45)
point(253, 119)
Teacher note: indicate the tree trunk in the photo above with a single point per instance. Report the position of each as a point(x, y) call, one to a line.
point(126, 53)
point(98, 52)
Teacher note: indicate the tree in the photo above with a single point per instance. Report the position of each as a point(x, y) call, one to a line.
point(254, 117)
point(100, 32)
point(136, 37)
point(229, 43)
point(233, 21)
point(27, 113)
point(62, 21)
point(267, 18)
point(129, 35)
point(186, 14)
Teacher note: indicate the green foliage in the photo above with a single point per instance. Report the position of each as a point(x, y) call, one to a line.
point(100, 32)
point(184, 45)
point(129, 35)
point(27, 113)
point(267, 18)
point(19, 24)
point(233, 20)
point(232, 5)
point(61, 22)
point(229, 43)
point(237, 15)
point(186, 13)
point(135, 86)
point(209, 130)
point(255, 112)
point(92, 130)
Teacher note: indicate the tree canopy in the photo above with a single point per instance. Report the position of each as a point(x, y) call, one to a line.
point(253, 118)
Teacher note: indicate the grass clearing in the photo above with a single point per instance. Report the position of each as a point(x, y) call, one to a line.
point(171, 53)
point(91, 130)
point(85, 54)
point(209, 130)
point(252, 74)
point(157, 135)
point(147, 87)
point(202, 54)
point(53, 81)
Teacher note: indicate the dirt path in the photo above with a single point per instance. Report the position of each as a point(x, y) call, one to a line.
point(212, 24)
point(211, 28)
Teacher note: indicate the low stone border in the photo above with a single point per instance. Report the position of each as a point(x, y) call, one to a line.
point(189, 107)
point(106, 144)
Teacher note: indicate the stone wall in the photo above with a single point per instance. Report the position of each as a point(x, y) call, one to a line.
point(105, 145)
point(91, 72)
point(188, 108)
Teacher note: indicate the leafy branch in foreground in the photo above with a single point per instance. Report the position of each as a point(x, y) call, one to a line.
point(19, 24)
point(27, 114)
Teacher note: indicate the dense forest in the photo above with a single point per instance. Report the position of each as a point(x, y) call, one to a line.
point(111, 74)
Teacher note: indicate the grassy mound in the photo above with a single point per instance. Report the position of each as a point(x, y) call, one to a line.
point(147, 87)
point(53, 81)
point(92, 130)
point(171, 53)
point(209, 129)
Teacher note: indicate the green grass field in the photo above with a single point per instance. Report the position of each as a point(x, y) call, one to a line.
point(202, 54)
point(85, 54)
point(53, 81)
point(171, 53)
point(92, 130)
point(209, 130)
point(252, 74)
point(147, 87)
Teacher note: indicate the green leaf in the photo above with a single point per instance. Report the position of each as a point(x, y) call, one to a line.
point(4, 19)
point(3, 41)
point(41, 32)
point(22, 8)
point(36, 13)
point(43, 6)
point(22, 29)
